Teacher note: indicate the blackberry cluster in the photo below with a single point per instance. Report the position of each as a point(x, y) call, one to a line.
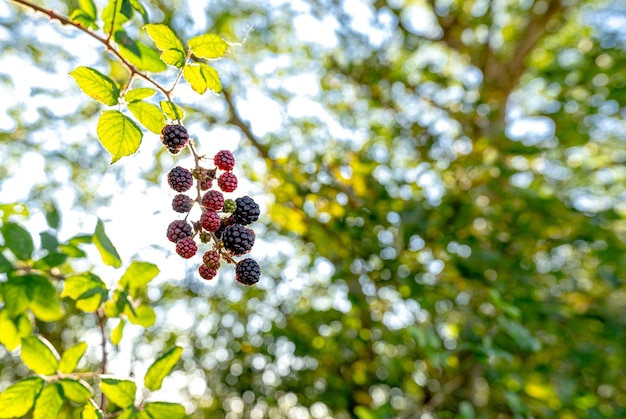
point(222, 221)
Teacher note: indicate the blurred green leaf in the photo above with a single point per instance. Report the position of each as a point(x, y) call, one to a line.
point(18, 240)
point(87, 290)
point(138, 275)
point(71, 357)
point(39, 355)
point(50, 261)
point(163, 410)
point(161, 368)
point(19, 398)
point(77, 391)
point(117, 333)
point(49, 402)
point(92, 411)
point(120, 392)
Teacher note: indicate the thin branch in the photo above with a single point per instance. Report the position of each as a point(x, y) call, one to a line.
point(113, 21)
point(103, 343)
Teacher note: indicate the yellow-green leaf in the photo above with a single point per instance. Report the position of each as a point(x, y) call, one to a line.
point(171, 110)
point(208, 46)
point(45, 303)
point(143, 315)
point(161, 368)
point(96, 85)
point(18, 399)
point(92, 411)
point(212, 78)
point(173, 57)
point(71, 357)
point(9, 336)
point(77, 391)
point(164, 38)
point(118, 134)
point(148, 115)
point(139, 274)
point(39, 355)
point(87, 289)
point(49, 402)
point(120, 392)
point(140, 55)
point(108, 252)
point(193, 75)
point(138, 94)
point(117, 333)
point(89, 7)
point(128, 414)
point(164, 410)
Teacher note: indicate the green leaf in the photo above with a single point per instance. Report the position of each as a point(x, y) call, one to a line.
point(138, 94)
point(71, 357)
point(83, 19)
point(18, 240)
point(72, 251)
point(96, 85)
point(107, 250)
point(49, 241)
point(9, 336)
point(18, 399)
point(50, 261)
point(44, 301)
point(77, 391)
point(212, 78)
point(136, 4)
point(142, 316)
point(171, 110)
point(173, 57)
point(92, 411)
point(161, 368)
point(5, 265)
point(89, 7)
point(139, 54)
point(164, 38)
point(12, 209)
point(148, 115)
point(16, 297)
point(193, 75)
point(208, 46)
point(128, 414)
point(138, 274)
point(52, 215)
point(163, 410)
point(120, 392)
point(115, 14)
point(87, 289)
point(39, 355)
point(117, 333)
point(49, 402)
point(118, 134)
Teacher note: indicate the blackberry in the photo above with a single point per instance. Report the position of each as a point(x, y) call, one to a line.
point(213, 200)
point(206, 184)
point(186, 247)
point(174, 138)
point(247, 211)
point(224, 160)
point(178, 230)
point(211, 259)
point(247, 272)
point(206, 272)
point(210, 220)
point(227, 182)
point(205, 237)
point(180, 179)
point(238, 239)
point(182, 203)
point(229, 206)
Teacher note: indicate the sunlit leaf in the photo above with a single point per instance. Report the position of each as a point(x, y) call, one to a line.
point(163, 410)
point(193, 75)
point(138, 54)
point(115, 14)
point(120, 392)
point(96, 85)
point(161, 368)
point(212, 78)
point(139, 7)
point(138, 274)
point(164, 38)
point(92, 411)
point(117, 333)
point(148, 115)
point(173, 57)
point(142, 315)
point(118, 134)
point(50, 261)
point(208, 46)
point(77, 391)
point(18, 240)
point(138, 94)
point(71, 357)
point(49, 402)
point(89, 7)
point(39, 355)
point(19, 398)
point(87, 289)
point(171, 110)
point(44, 300)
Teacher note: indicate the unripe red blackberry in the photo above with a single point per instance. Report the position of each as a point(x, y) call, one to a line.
point(213, 200)
point(174, 138)
point(178, 230)
point(182, 203)
point(238, 239)
point(180, 179)
point(186, 247)
point(210, 220)
point(227, 182)
point(207, 272)
point(230, 206)
point(224, 160)
point(247, 210)
point(206, 184)
point(211, 258)
point(247, 272)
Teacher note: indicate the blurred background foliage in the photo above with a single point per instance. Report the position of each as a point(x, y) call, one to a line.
point(444, 191)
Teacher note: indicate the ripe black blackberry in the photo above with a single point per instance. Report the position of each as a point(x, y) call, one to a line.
point(213, 200)
point(247, 272)
point(247, 211)
point(227, 182)
point(238, 239)
point(207, 272)
point(186, 247)
point(224, 160)
point(180, 179)
point(178, 230)
point(174, 138)
point(182, 203)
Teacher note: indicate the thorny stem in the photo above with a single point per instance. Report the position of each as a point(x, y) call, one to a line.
point(105, 41)
point(180, 72)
